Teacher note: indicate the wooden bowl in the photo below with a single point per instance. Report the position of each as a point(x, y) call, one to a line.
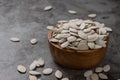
point(76, 59)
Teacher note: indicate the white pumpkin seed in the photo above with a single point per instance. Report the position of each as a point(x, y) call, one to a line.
point(98, 69)
point(62, 21)
point(47, 71)
point(64, 31)
point(92, 15)
point(71, 38)
point(102, 31)
point(62, 40)
point(73, 30)
point(94, 76)
point(48, 8)
point(34, 73)
point(87, 30)
point(15, 39)
point(58, 74)
point(102, 76)
point(72, 47)
point(78, 39)
point(93, 37)
point(75, 43)
point(50, 28)
point(82, 46)
point(33, 65)
point(100, 42)
point(106, 68)
point(59, 36)
point(91, 32)
point(88, 78)
point(54, 40)
point(65, 78)
point(33, 41)
point(31, 77)
point(65, 44)
point(91, 45)
point(108, 29)
point(72, 12)
point(88, 73)
point(21, 68)
point(94, 27)
point(41, 61)
point(73, 34)
point(66, 26)
point(82, 35)
point(82, 26)
point(97, 47)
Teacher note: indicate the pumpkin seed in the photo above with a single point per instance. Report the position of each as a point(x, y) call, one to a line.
point(50, 28)
point(21, 68)
point(98, 69)
point(102, 31)
point(88, 73)
point(108, 29)
point(97, 47)
point(83, 46)
point(54, 40)
point(82, 26)
point(65, 78)
point(15, 39)
point(58, 74)
point(82, 35)
point(88, 78)
point(34, 73)
point(102, 76)
point(59, 36)
point(93, 37)
point(62, 40)
point(65, 44)
point(92, 15)
point(91, 45)
point(41, 61)
point(106, 68)
point(31, 77)
point(48, 8)
point(73, 30)
point(33, 65)
point(47, 71)
point(33, 41)
point(94, 76)
point(87, 30)
point(72, 12)
point(71, 38)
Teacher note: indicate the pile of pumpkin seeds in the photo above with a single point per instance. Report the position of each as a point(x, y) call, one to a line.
point(98, 74)
point(34, 75)
point(79, 34)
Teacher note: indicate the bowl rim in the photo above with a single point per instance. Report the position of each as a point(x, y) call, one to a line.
point(72, 50)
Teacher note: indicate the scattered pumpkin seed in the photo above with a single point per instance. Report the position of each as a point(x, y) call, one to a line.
point(15, 39)
point(33, 41)
point(58, 74)
point(21, 68)
point(47, 71)
point(47, 8)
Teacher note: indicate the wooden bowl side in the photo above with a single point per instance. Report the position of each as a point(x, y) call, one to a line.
point(75, 58)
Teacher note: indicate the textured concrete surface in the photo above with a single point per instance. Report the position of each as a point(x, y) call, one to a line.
point(26, 19)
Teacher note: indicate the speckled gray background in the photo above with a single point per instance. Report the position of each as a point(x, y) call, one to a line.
point(26, 19)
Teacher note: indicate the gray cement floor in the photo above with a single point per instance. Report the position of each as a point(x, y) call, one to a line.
point(26, 19)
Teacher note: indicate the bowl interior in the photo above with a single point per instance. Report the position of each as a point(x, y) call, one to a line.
point(71, 50)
